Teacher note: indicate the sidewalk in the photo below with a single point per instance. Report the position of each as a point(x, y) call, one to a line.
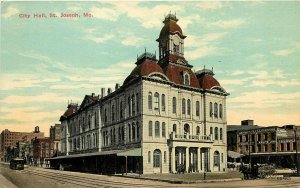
point(4, 183)
point(187, 178)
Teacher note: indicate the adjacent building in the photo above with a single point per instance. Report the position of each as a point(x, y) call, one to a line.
point(55, 132)
point(9, 139)
point(44, 148)
point(165, 117)
point(264, 144)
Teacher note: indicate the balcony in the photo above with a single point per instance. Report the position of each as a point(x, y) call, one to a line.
point(188, 137)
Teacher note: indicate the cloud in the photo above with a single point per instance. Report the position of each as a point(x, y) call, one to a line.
point(283, 53)
point(209, 5)
point(286, 52)
point(105, 13)
point(263, 100)
point(100, 39)
point(227, 24)
point(10, 12)
point(201, 46)
point(132, 40)
point(17, 81)
point(44, 97)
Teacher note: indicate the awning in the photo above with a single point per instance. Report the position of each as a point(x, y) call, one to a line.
point(234, 155)
point(132, 153)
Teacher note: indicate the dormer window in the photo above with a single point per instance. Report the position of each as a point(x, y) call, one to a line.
point(186, 79)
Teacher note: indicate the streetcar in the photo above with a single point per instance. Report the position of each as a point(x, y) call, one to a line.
point(17, 164)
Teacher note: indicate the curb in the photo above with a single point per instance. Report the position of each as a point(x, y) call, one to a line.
point(181, 181)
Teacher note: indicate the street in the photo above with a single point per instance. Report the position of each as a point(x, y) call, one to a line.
point(33, 177)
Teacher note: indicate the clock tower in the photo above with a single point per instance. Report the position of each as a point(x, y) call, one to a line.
point(171, 39)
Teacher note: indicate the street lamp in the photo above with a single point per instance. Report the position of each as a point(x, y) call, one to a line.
point(297, 158)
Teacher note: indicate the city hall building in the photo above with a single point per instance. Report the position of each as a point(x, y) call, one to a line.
point(165, 118)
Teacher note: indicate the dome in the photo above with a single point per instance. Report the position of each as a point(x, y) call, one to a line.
point(207, 81)
point(144, 69)
point(171, 26)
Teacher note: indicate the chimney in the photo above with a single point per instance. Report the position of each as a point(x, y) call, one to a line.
point(102, 92)
point(117, 86)
point(93, 94)
point(108, 91)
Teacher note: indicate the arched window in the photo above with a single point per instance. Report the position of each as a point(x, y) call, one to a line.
point(123, 134)
point(183, 106)
point(174, 105)
point(137, 102)
point(198, 130)
point(156, 158)
point(216, 110)
point(216, 133)
point(137, 130)
point(216, 158)
point(186, 79)
point(220, 111)
point(129, 133)
point(163, 129)
point(150, 128)
point(188, 107)
point(163, 102)
point(105, 117)
point(186, 128)
point(133, 132)
point(113, 112)
point(174, 128)
point(149, 156)
point(157, 129)
point(221, 134)
point(210, 109)
point(129, 106)
point(133, 104)
point(156, 101)
point(150, 101)
point(197, 108)
point(121, 109)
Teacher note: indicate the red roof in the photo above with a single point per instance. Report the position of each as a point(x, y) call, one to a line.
point(207, 81)
point(70, 111)
point(144, 69)
point(170, 27)
point(175, 74)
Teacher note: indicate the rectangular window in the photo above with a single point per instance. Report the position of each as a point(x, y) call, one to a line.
point(149, 156)
point(165, 156)
point(174, 105)
point(157, 131)
point(281, 146)
point(150, 128)
point(163, 102)
point(163, 127)
point(197, 108)
point(288, 146)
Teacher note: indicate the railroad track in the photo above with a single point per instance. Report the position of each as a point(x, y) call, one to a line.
point(85, 180)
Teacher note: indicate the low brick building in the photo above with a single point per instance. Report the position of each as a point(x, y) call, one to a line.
point(44, 148)
point(263, 144)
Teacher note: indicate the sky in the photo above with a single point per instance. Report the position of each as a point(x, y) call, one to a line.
point(253, 47)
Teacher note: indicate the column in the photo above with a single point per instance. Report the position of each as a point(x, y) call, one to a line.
point(198, 159)
point(209, 160)
point(187, 159)
point(173, 164)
